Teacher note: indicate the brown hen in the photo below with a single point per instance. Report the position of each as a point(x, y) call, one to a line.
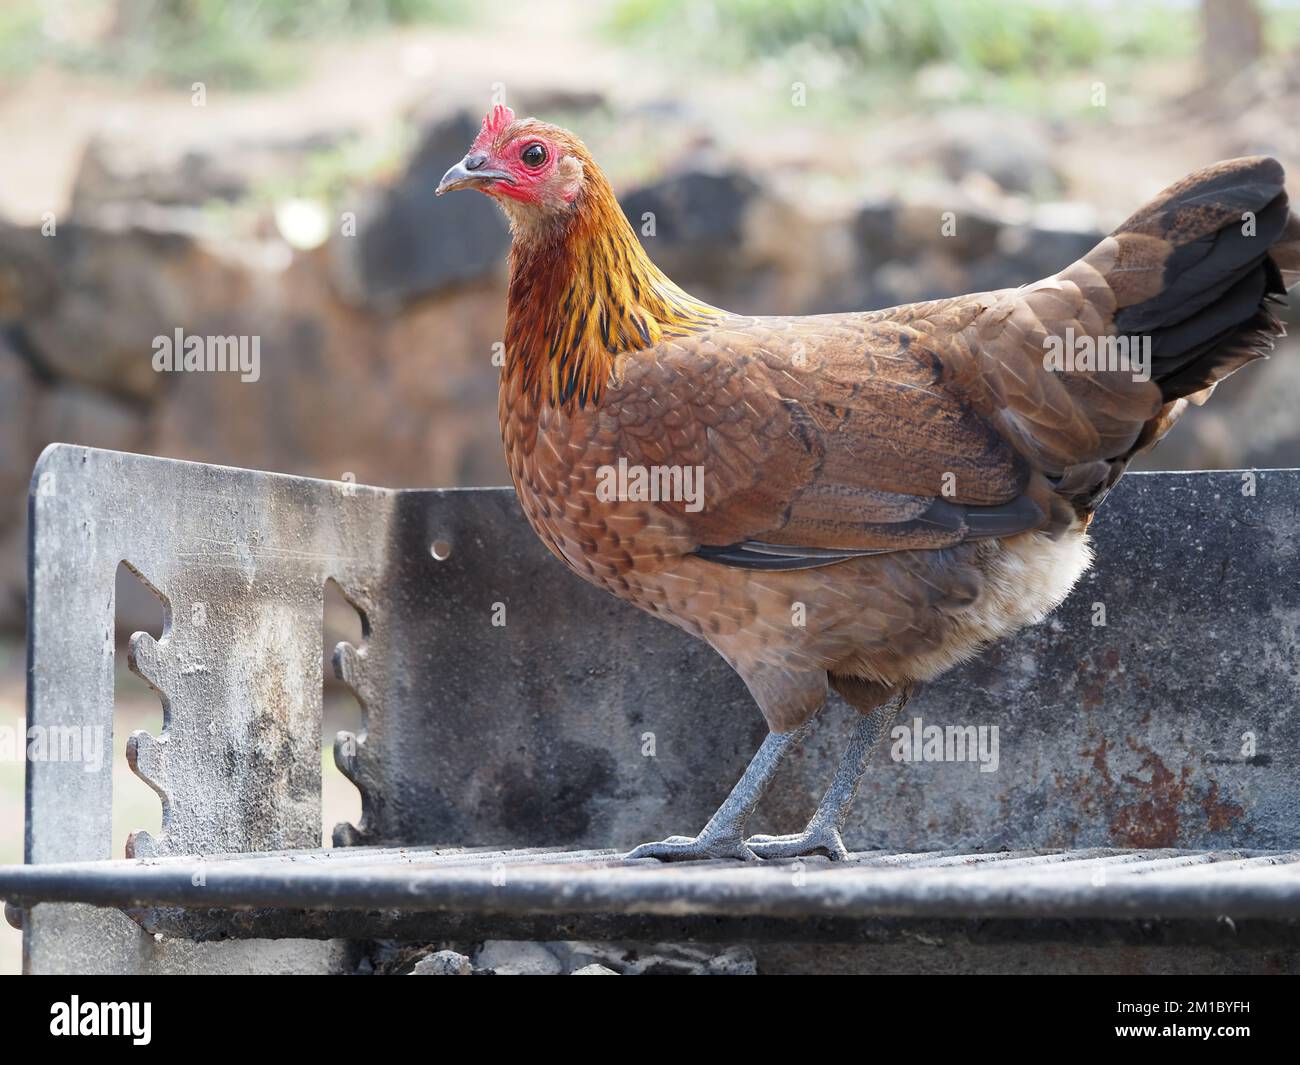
point(883, 493)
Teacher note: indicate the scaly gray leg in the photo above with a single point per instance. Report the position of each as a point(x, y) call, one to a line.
point(723, 836)
point(822, 835)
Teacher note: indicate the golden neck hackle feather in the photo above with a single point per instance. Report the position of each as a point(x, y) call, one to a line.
point(584, 292)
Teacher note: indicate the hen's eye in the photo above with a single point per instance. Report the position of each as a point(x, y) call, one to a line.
point(534, 155)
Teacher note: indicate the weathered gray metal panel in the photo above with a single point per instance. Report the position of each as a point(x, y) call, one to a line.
point(1174, 724)
point(240, 559)
point(528, 733)
point(536, 731)
point(1128, 733)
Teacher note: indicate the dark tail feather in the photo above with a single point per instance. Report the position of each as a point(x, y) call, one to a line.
point(1199, 270)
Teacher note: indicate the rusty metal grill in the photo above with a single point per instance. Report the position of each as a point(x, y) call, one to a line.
point(552, 893)
point(1135, 759)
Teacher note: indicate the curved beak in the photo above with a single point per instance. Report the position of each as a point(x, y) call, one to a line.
point(472, 172)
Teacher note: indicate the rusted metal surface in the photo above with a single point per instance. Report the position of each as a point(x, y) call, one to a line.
point(507, 703)
point(1132, 733)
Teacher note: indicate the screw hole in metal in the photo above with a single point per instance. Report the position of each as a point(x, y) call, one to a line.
point(440, 549)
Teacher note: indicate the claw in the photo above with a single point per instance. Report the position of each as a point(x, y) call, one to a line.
point(692, 849)
point(825, 841)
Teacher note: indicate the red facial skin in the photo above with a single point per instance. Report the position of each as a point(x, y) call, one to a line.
point(505, 152)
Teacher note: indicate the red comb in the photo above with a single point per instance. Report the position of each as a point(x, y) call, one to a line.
point(494, 122)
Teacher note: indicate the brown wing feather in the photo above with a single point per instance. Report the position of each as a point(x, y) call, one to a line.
point(931, 424)
point(835, 433)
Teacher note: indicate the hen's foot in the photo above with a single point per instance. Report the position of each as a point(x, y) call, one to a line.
point(810, 841)
point(822, 833)
point(724, 835)
point(693, 849)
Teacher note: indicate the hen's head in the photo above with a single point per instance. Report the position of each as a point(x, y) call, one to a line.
point(534, 170)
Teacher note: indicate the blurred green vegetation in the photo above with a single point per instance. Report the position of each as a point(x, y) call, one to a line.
point(1000, 51)
point(936, 51)
point(20, 36)
point(997, 36)
point(236, 44)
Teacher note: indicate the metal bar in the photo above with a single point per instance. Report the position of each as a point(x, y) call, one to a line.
point(1258, 886)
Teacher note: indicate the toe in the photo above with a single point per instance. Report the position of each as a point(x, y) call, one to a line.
point(804, 845)
point(649, 850)
point(686, 849)
point(776, 847)
point(835, 850)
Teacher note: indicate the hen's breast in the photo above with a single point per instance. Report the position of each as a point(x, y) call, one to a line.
point(561, 466)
